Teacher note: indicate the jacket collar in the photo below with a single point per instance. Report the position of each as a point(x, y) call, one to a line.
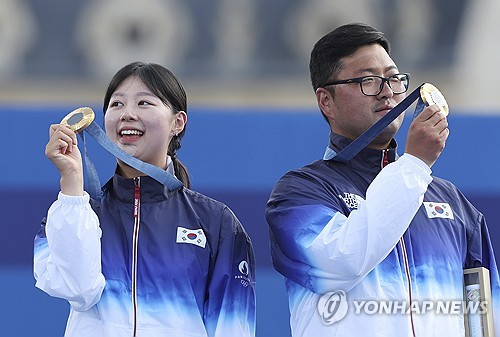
point(366, 160)
point(123, 189)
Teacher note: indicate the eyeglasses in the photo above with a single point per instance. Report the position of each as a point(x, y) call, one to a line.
point(373, 85)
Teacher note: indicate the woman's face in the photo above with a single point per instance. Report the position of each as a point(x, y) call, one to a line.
point(140, 123)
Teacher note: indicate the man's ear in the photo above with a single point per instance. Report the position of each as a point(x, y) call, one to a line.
point(324, 98)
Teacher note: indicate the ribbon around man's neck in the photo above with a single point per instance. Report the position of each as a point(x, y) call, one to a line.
point(426, 93)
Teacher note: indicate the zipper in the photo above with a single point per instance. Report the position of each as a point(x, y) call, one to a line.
point(385, 158)
point(384, 163)
point(135, 239)
point(408, 278)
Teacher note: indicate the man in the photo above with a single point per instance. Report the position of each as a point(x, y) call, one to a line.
point(372, 246)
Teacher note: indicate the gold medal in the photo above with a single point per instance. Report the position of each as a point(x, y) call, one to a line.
point(431, 95)
point(79, 119)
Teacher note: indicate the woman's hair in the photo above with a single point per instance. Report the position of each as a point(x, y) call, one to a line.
point(166, 86)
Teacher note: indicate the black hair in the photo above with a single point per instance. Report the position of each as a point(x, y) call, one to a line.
point(327, 53)
point(168, 88)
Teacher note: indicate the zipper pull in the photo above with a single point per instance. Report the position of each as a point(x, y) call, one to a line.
point(385, 158)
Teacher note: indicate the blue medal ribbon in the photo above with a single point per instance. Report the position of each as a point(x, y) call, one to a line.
point(94, 184)
point(347, 153)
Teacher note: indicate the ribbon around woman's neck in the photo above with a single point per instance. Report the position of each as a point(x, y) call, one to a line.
point(82, 119)
point(426, 93)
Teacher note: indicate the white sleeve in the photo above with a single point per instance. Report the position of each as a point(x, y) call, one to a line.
point(348, 248)
point(68, 263)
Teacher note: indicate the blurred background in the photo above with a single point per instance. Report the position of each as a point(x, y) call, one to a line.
point(252, 117)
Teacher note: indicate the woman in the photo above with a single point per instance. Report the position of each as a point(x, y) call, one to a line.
point(145, 261)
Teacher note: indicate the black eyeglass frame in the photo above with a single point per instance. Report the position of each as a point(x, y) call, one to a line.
point(362, 78)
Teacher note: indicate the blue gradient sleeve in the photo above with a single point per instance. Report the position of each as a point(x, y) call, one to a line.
point(230, 307)
point(296, 214)
point(292, 232)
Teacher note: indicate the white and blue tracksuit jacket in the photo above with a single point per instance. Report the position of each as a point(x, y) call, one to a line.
point(148, 262)
point(381, 236)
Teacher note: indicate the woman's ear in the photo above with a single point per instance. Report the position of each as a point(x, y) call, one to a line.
point(180, 122)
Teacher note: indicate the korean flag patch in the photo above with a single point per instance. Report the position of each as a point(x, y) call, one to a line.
point(193, 236)
point(438, 210)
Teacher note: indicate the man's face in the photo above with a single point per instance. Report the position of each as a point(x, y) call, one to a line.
point(348, 110)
